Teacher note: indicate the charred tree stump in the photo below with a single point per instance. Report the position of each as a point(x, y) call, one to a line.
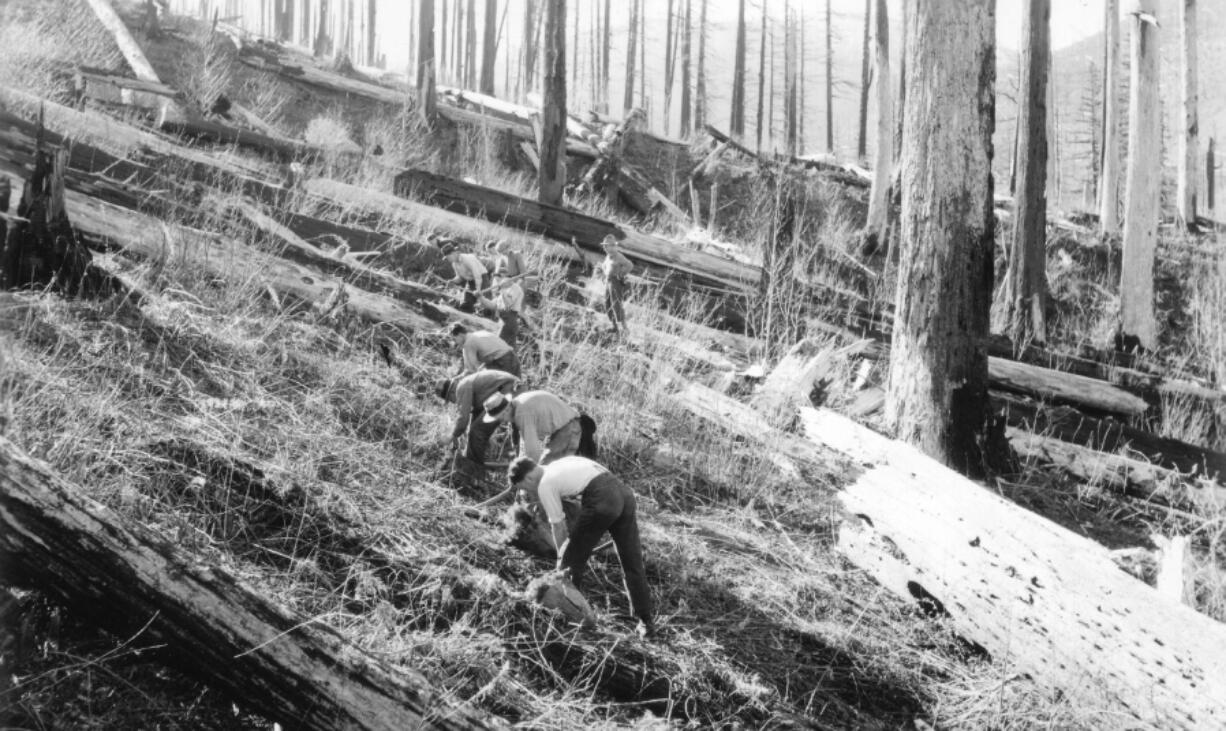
point(41, 248)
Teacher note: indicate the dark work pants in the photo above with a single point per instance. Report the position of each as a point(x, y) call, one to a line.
point(508, 363)
point(479, 434)
point(510, 327)
point(607, 504)
point(614, 296)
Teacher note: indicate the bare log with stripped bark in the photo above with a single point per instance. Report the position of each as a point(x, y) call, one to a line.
point(1051, 603)
point(264, 656)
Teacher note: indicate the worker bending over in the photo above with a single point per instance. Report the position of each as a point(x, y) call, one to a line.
point(481, 348)
point(606, 504)
point(549, 428)
point(469, 393)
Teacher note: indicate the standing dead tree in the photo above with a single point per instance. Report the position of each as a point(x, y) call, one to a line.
point(427, 100)
point(1189, 140)
point(552, 171)
point(1138, 325)
point(1026, 279)
point(879, 196)
point(736, 124)
point(937, 393)
point(1108, 189)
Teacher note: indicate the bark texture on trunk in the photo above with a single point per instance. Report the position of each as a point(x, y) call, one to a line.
point(267, 658)
point(489, 46)
point(862, 129)
point(1026, 278)
point(551, 176)
point(937, 394)
point(1138, 325)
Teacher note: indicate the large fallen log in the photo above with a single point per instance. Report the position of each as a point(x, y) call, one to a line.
point(1031, 593)
point(1050, 601)
point(562, 224)
point(265, 657)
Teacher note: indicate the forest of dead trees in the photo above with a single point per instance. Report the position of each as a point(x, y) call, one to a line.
point(932, 144)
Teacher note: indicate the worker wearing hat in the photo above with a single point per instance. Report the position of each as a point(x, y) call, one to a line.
point(549, 428)
point(606, 504)
point(616, 269)
point(469, 393)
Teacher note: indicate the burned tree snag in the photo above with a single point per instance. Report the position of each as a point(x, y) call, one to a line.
point(41, 249)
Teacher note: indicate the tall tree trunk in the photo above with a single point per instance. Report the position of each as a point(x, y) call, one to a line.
point(323, 44)
point(470, 46)
point(574, 70)
point(643, 101)
point(605, 49)
point(1188, 141)
point(441, 56)
point(1026, 279)
point(736, 124)
point(528, 54)
point(700, 83)
point(1138, 325)
point(1109, 188)
point(791, 86)
point(552, 171)
point(862, 138)
point(761, 79)
point(670, 47)
point(937, 394)
point(685, 71)
point(632, 37)
point(829, 84)
point(426, 101)
point(489, 47)
point(902, 82)
point(457, 45)
point(1210, 176)
point(879, 196)
point(1053, 141)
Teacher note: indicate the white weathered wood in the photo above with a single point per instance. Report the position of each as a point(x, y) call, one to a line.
point(1109, 184)
point(1051, 602)
point(1143, 177)
point(128, 46)
point(1172, 567)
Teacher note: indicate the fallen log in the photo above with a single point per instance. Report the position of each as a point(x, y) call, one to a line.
point(302, 70)
point(1065, 388)
point(842, 174)
point(167, 245)
point(128, 46)
point(562, 224)
point(267, 658)
point(1109, 435)
point(129, 163)
point(1024, 588)
point(1117, 473)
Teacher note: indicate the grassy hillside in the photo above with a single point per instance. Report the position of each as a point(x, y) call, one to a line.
point(273, 439)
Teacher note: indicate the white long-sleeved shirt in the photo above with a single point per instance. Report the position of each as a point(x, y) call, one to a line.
point(563, 478)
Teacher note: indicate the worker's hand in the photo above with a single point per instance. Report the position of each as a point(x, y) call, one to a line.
point(455, 444)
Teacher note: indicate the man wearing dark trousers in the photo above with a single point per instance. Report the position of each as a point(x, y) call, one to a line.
point(607, 504)
point(469, 393)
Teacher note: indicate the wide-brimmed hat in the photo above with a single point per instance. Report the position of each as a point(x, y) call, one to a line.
point(494, 406)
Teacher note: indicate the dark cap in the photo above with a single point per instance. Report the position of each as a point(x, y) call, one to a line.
point(519, 469)
point(457, 329)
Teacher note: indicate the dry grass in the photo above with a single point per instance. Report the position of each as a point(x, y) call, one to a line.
point(764, 619)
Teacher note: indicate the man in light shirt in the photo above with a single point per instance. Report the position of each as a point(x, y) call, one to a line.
point(508, 301)
point(483, 349)
point(470, 273)
point(616, 269)
point(606, 504)
point(549, 428)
